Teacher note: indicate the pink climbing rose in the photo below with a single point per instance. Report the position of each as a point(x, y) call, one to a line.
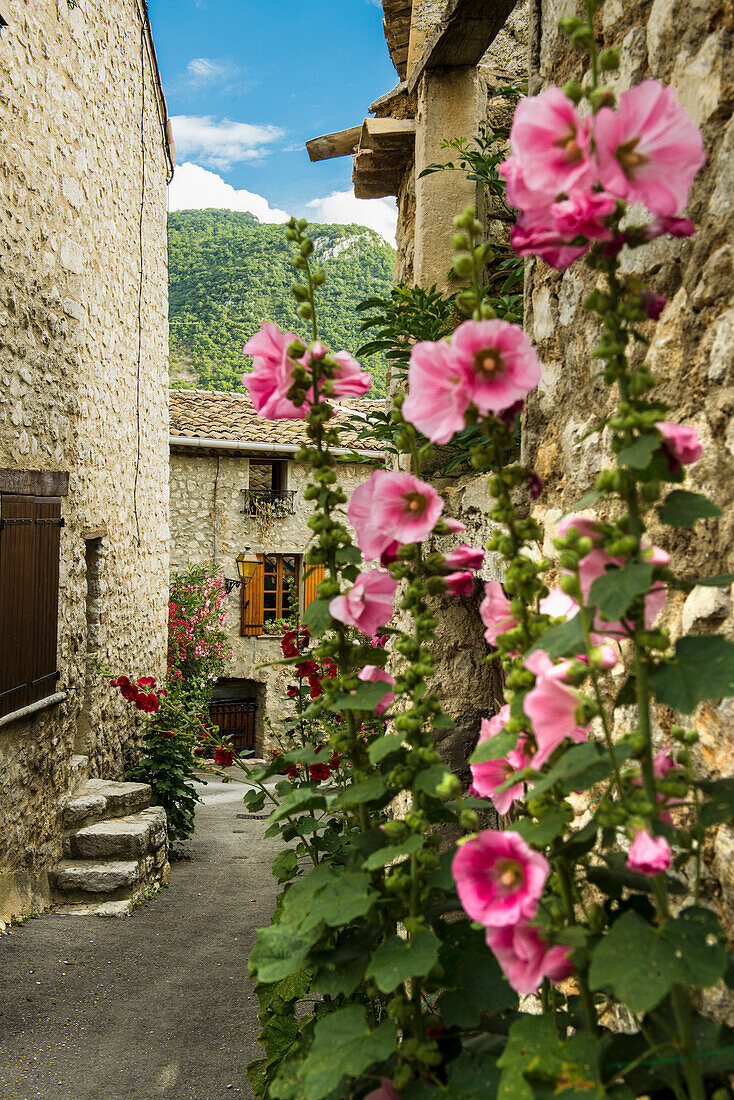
point(495, 612)
point(372, 674)
point(649, 148)
point(680, 441)
point(368, 604)
point(438, 391)
point(552, 706)
point(272, 377)
point(391, 507)
point(490, 775)
point(526, 958)
point(649, 854)
point(551, 146)
point(498, 360)
point(499, 878)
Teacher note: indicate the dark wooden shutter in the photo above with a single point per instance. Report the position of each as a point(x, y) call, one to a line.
point(251, 604)
point(314, 574)
point(29, 593)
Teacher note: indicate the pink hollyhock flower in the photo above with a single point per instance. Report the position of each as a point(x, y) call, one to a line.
point(455, 526)
point(460, 584)
point(495, 612)
point(551, 144)
point(649, 854)
point(499, 878)
point(372, 674)
point(392, 507)
point(438, 391)
point(368, 603)
point(551, 706)
point(526, 958)
point(490, 775)
point(587, 528)
point(597, 563)
point(649, 149)
point(552, 232)
point(517, 192)
point(680, 443)
point(272, 377)
point(349, 378)
point(389, 554)
point(673, 227)
point(653, 304)
point(465, 557)
point(558, 605)
point(499, 361)
point(386, 1091)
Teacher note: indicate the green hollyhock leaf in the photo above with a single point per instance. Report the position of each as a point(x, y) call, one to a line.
point(384, 746)
point(365, 697)
point(349, 555)
point(563, 640)
point(535, 1056)
point(472, 1078)
point(717, 581)
point(699, 944)
point(443, 722)
point(720, 802)
point(585, 501)
point(317, 617)
point(343, 1046)
point(494, 748)
point(393, 853)
point(285, 865)
point(431, 779)
point(279, 951)
point(580, 767)
point(639, 453)
point(539, 833)
point(682, 509)
point(702, 668)
point(298, 801)
point(480, 987)
point(341, 900)
point(371, 790)
point(397, 959)
point(617, 588)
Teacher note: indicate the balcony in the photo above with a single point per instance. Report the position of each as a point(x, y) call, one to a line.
point(269, 503)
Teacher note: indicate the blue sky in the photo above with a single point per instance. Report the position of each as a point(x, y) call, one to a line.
point(249, 81)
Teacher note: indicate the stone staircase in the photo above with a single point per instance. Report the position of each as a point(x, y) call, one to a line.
point(115, 847)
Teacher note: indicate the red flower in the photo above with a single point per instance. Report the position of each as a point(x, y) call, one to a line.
point(166, 736)
point(291, 691)
point(223, 756)
point(198, 752)
point(149, 703)
point(291, 771)
point(121, 681)
point(288, 645)
point(315, 685)
point(202, 735)
point(146, 681)
point(335, 760)
point(129, 691)
point(307, 668)
point(319, 772)
point(329, 668)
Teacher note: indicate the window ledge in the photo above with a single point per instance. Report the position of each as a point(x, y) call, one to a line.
point(33, 708)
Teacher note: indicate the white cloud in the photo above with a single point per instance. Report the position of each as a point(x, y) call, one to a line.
point(342, 208)
point(193, 188)
point(204, 70)
point(222, 144)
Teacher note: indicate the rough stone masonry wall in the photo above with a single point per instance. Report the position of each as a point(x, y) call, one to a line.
point(687, 43)
point(194, 510)
point(71, 153)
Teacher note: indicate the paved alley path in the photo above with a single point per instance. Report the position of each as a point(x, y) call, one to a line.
point(153, 1005)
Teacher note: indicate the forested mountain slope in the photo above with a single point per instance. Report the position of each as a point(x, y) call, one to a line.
point(228, 273)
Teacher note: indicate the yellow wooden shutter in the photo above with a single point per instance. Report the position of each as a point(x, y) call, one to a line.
point(251, 603)
point(314, 574)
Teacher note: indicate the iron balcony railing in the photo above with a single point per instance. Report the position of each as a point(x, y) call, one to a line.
point(274, 503)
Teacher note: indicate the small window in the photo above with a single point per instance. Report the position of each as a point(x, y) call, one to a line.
point(30, 532)
point(266, 599)
point(267, 475)
point(267, 497)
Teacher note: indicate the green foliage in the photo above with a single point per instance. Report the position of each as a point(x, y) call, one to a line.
point(701, 668)
point(684, 509)
point(228, 273)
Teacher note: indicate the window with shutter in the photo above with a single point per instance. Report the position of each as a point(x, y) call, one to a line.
point(313, 576)
point(266, 598)
point(251, 604)
point(30, 531)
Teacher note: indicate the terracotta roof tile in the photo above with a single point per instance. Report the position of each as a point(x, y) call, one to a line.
point(211, 414)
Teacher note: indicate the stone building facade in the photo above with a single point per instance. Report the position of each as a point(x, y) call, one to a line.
point(85, 158)
point(235, 484)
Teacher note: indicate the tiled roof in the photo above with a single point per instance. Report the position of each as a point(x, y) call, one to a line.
point(211, 414)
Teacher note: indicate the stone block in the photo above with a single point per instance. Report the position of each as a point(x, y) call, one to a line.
point(92, 877)
point(703, 606)
point(119, 838)
point(721, 356)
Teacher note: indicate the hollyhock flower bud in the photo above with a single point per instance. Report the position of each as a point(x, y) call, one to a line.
point(526, 958)
point(465, 557)
point(495, 612)
point(586, 528)
point(680, 442)
point(391, 507)
point(551, 144)
point(498, 360)
point(223, 756)
point(372, 674)
point(455, 526)
point(460, 584)
point(438, 391)
point(490, 775)
point(551, 705)
point(648, 854)
point(652, 303)
point(368, 604)
point(272, 377)
point(649, 149)
point(499, 878)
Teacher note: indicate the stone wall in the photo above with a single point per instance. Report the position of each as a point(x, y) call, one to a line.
point(80, 113)
point(196, 541)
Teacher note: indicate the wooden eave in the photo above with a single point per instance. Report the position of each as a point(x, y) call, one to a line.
point(468, 28)
point(385, 148)
point(343, 143)
point(396, 25)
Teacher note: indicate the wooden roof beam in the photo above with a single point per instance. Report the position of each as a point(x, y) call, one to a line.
point(341, 144)
point(466, 31)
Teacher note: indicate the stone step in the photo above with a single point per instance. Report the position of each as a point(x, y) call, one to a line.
point(89, 876)
point(125, 838)
point(121, 908)
point(101, 798)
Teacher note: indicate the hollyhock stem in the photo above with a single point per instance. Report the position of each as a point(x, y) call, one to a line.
point(599, 698)
point(566, 885)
